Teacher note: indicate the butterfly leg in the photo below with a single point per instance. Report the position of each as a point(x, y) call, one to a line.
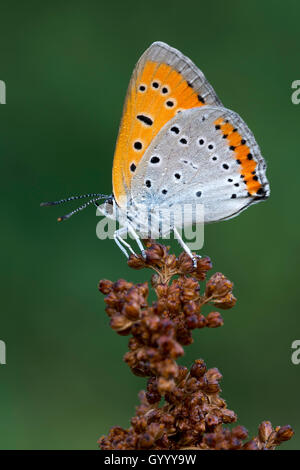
point(185, 247)
point(121, 242)
point(138, 240)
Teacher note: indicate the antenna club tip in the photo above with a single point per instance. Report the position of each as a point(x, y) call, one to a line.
point(59, 219)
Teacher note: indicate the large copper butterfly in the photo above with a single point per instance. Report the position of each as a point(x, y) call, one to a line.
point(178, 145)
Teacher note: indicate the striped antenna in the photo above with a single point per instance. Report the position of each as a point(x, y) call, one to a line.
point(67, 216)
point(73, 198)
point(95, 197)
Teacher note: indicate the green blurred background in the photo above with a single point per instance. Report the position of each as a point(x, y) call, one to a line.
point(66, 66)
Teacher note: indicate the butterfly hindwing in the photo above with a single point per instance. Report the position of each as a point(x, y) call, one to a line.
point(204, 155)
point(164, 83)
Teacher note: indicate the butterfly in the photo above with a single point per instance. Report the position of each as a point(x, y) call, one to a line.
point(177, 146)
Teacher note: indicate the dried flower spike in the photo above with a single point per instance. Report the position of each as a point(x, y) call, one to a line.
point(192, 414)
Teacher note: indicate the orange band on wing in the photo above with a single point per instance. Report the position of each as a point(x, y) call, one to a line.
point(242, 154)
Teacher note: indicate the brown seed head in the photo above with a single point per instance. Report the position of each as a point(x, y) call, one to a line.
point(181, 408)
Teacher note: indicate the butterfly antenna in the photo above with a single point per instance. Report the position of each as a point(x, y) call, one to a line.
point(73, 198)
point(92, 201)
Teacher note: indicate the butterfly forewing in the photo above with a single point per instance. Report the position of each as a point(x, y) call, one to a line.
point(164, 83)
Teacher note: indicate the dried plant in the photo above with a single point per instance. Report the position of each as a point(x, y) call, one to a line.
point(181, 408)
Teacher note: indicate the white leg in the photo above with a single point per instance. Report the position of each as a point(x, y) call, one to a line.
point(126, 244)
point(137, 239)
point(185, 247)
point(121, 242)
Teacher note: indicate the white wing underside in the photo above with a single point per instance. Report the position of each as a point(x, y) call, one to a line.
point(223, 193)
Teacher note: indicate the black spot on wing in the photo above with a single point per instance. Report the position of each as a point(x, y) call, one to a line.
point(145, 119)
